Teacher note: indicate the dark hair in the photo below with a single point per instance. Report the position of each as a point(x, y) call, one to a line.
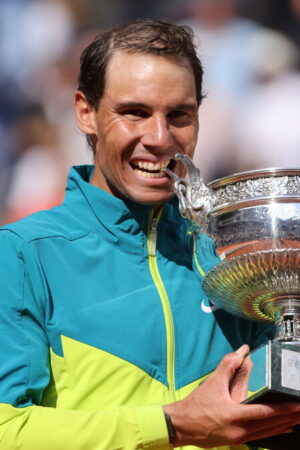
point(138, 36)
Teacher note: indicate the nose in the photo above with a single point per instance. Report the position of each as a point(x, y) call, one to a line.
point(157, 133)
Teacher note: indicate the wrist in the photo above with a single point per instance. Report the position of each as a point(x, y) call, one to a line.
point(176, 417)
point(170, 428)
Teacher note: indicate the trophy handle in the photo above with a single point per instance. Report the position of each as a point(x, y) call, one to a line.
point(195, 198)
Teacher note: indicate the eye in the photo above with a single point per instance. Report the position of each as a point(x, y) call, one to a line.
point(179, 117)
point(177, 114)
point(135, 113)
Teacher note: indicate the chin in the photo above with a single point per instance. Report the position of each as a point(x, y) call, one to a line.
point(154, 200)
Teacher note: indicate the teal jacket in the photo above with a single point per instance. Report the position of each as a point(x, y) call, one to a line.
point(102, 321)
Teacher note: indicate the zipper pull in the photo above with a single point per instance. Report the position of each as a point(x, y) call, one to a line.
point(152, 238)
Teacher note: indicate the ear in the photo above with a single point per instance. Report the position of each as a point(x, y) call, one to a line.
point(85, 114)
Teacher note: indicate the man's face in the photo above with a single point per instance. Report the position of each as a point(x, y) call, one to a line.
point(147, 114)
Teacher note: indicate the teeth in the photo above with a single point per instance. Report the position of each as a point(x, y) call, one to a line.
point(141, 173)
point(151, 166)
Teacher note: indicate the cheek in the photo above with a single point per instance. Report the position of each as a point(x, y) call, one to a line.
point(121, 140)
point(194, 137)
point(188, 139)
point(122, 130)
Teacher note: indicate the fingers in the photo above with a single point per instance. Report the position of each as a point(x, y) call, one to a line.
point(266, 411)
point(278, 422)
point(269, 432)
point(240, 431)
point(284, 408)
point(242, 437)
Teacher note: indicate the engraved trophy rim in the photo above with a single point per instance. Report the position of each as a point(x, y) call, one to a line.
point(254, 201)
point(253, 174)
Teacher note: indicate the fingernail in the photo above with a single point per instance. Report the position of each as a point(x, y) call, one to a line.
point(241, 350)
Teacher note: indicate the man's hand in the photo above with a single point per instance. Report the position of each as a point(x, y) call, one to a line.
point(212, 415)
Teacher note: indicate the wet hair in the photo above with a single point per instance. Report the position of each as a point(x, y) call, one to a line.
point(139, 36)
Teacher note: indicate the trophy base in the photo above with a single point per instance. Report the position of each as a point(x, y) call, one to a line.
point(275, 377)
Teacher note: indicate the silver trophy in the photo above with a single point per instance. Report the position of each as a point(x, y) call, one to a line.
point(254, 219)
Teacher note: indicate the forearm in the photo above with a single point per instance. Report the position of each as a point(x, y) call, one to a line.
point(50, 428)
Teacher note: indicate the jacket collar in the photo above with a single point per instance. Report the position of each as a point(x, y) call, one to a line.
point(120, 221)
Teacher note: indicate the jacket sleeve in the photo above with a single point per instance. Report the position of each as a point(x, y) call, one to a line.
point(25, 373)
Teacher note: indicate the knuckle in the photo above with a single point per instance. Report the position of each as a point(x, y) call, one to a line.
point(236, 436)
point(266, 413)
point(229, 421)
point(239, 439)
point(227, 359)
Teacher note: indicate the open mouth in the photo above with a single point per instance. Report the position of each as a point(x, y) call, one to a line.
point(152, 170)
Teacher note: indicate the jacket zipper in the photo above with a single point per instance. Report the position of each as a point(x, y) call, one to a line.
point(151, 245)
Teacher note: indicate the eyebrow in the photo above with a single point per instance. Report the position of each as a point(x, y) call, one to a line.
point(131, 105)
point(189, 106)
point(186, 106)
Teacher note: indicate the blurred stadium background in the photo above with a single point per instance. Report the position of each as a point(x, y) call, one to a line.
point(249, 119)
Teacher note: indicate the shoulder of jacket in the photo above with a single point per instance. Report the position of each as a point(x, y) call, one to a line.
point(52, 223)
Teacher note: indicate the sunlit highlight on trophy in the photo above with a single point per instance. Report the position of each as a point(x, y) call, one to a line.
point(254, 219)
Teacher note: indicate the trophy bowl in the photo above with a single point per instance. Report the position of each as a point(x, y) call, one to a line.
point(254, 219)
point(265, 285)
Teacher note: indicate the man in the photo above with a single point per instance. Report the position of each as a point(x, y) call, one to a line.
point(104, 341)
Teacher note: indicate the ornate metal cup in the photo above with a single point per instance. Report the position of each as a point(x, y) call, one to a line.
point(254, 219)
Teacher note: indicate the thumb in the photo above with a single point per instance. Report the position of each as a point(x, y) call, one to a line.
point(239, 382)
point(243, 350)
point(230, 364)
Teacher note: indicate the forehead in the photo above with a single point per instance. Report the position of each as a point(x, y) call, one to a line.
point(148, 74)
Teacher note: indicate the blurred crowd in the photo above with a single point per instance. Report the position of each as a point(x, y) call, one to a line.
point(248, 120)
